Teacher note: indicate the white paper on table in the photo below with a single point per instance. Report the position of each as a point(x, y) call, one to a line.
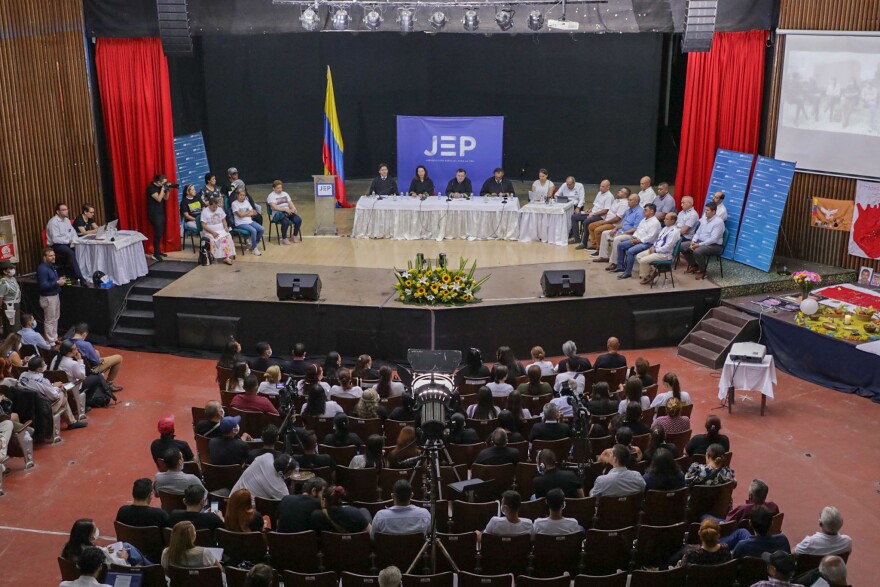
point(217, 552)
point(870, 347)
point(122, 581)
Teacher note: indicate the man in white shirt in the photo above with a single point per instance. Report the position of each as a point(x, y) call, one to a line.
point(554, 524)
point(706, 242)
point(665, 202)
point(577, 381)
point(402, 517)
point(661, 250)
point(828, 540)
point(646, 192)
point(90, 564)
point(509, 523)
point(642, 239)
point(623, 232)
point(721, 210)
point(601, 206)
point(574, 191)
point(282, 210)
point(34, 380)
point(612, 218)
point(619, 481)
point(687, 218)
point(62, 237)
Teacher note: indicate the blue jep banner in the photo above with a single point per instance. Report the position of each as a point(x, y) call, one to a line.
point(762, 216)
point(443, 145)
point(731, 176)
point(192, 161)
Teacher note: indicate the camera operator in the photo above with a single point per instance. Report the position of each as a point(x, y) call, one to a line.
point(157, 199)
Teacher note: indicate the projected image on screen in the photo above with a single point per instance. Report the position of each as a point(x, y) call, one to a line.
point(828, 118)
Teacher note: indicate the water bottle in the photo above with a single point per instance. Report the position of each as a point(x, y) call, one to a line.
point(296, 467)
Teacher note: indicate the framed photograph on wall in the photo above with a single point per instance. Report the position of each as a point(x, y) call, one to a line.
point(865, 275)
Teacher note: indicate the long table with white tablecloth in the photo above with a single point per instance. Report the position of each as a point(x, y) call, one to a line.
point(545, 222)
point(121, 259)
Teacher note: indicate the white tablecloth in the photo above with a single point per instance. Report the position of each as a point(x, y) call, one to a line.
point(749, 377)
point(406, 218)
point(123, 259)
point(549, 223)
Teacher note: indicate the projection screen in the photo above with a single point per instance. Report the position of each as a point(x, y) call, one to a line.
point(828, 116)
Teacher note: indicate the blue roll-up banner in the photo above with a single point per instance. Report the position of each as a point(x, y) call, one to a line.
point(443, 145)
point(192, 161)
point(730, 175)
point(763, 213)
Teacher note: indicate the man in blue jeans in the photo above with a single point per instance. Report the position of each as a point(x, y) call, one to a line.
point(642, 239)
point(243, 214)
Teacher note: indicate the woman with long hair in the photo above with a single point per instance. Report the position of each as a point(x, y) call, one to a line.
point(538, 359)
point(713, 472)
point(632, 391)
point(317, 403)
point(499, 386)
point(421, 183)
point(640, 370)
point(9, 356)
point(515, 407)
point(373, 456)
point(83, 534)
point(241, 515)
point(515, 370)
point(335, 516)
point(341, 436)
point(484, 409)
point(314, 376)
point(534, 386)
point(600, 403)
point(700, 443)
point(345, 386)
point(368, 406)
point(673, 422)
point(507, 421)
point(663, 473)
point(406, 448)
point(673, 387)
point(235, 383)
point(387, 388)
point(231, 355)
point(363, 368)
point(406, 412)
point(332, 363)
point(710, 551)
point(473, 367)
point(182, 550)
point(658, 441)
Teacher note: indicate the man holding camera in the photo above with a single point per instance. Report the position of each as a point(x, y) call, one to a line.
point(157, 198)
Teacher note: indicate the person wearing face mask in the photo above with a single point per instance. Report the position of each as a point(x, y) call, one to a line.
point(34, 380)
point(10, 298)
point(82, 537)
point(264, 360)
point(29, 334)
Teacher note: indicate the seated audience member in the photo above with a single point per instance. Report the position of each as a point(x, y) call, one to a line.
point(566, 391)
point(641, 240)
point(271, 385)
point(373, 456)
point(555, 524)
point(612, 219)
point(390, 577)
point(538, 359)
point(210, 426)
point(515, 407)
point(700, 443)
point(640, 371)
point(658, 441)
point(831, 573)
point(140, 513)
point(687, 220)
point(619, 233)
point(757, 497)
point(83, 534)
point(283, 210)
point(297, 365)
point(661, 250)
point(226, 448)
point(235, 383)
point(510, 424)
point(260, 575)
point(110, 365)
point(828, 540)
point(509, 523)
point(195, 498)
point(267, 476)
point(780, 569)
point(551, 477)
point(250, 400)
point(570, 375)
point(406, 412)
point(706, 242)
point(294, 513)
point(664, 201)
point(341, 436)
point(632, 391)
point(264, 357)
point(345, 386)
point(310, 459)
point(721, 210)
point(241, 516)
point(317, 403)
point(190, 208)
point(534, 386)
point(369, 407)
point(748, 545)
point(9, 356)
point(363, 368)
point(499, 386)
point(386, 387)
point(569, 349)
point(673, 422)
point(504, 356)
point(314, 376)
point(460, 433)
point(713, 472)
point(269, 438)
point(29, 334)
point(597, 212)
point(484, 409)
point(183, 552)
point(473, 368)
point(663, 473)
point(622, 435)
point(34, 380)
point(335, 516)
point(98, 391)
point(90, 564)
point(600, 403)
point(710, 551)
point(332, 365)
point(551, 428)
point(633, 419)
point(231, 355)
point(498, 453)
point(673, 390)
point(166, 440)
point(174, 480)
point(406, 448)
point(619, 481)
point(402, 517)
point(612, 359)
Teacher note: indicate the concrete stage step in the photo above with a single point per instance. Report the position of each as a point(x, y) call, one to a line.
point(150, 285)
point(136, 319)
point(127, 336)
point(709, 341)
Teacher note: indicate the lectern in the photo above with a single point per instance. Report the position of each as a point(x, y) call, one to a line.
point(325, 204)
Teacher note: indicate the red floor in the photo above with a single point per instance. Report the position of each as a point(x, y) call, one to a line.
point(815, 447)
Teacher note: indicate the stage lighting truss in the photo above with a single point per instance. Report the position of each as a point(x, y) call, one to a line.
point(536, 20)
point(372, 18)
point(310, 18)
point(471, 20)
point(406, 17)
point(438, 19)
point(340, 20)
point(504, 18)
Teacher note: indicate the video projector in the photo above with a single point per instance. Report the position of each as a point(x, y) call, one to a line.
point(748, 352)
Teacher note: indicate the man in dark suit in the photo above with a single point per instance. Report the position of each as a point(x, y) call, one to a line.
point(551, 428)
point(612, 359)
point(459, 185)
point(498, 453)
point(497, 184)
point(383, 185)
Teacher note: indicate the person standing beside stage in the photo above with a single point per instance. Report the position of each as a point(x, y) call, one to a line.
point(215, 229)
point(459, 185)
point(283, 211)
point(49, 285)
point(85, 222)
point(242, 217)
point(210, 190)
point(706, 242)
point(497, 184)
point(190, 207)
point(421, 184)
point(157, 198)
point(383, 185)
point(61, 236)
point(10, 298)
point(543, 188)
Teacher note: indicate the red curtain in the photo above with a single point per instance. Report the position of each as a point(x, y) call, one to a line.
point(722, 108)
point(136, 104)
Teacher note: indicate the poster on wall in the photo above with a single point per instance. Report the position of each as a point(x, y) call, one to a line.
point(730, 175)
point(864, 238)
point(8, 244)
point(832, 214)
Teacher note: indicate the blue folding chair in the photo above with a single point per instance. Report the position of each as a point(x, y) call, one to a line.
point(664, 268)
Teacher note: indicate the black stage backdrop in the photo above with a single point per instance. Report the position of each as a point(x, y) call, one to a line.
point(585, 105)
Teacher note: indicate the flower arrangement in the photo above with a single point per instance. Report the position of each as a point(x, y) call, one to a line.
point(806, 281)
point(426, 283)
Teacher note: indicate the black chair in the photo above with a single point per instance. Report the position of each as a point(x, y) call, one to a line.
point(242, 546)
point(608, 551)
point(463, 550)
point(356, 580)
point(195, 577)
point(613, 513)
point(555, 555)
point(147, 539)
point(656, 544)
point(666, 578)
point(561, 581)
point(151, 575)
point(723, 575)
point(663, 508)
point(472, 580)
point(504, 553)
point(297, 551)
point(399, 550)
point(326, 579)
point(470, 517)
point(612, 580)
point(347, 552)
point(438, 580)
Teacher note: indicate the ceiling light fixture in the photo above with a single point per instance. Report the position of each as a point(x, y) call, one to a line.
point(504, 18)
point(310, 19)
point(405, 19)
point(341, 19)
point(372, 19)
point(536, 20)
point(438, 19)
point(471, 20)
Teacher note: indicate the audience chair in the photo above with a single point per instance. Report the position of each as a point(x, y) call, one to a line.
point(192, 468)
point(218, 477)
point(561, 448)
point(534, 509)
point(389, 403)
point(223, 375)
point(388, 477)
point(325, 473)
point(195, 576)
point(663, 578)
point(251, 422)
point(582, 509)
point(442, 514)
point(648, 415)
point(467, 400)
point(451, 474)
point(267, 507)
point(602, 421)
point(373, 506)
point(365, 427)
point(654, 372)
point(21, 445)
point(360, 484)
point(679, 439)
point(712, 499)
point(643, 441)
point(69, 571)
point(536, 403)
point(355, 580)
point(727, 459)
point(202, 452)
point(555, 555)
point(752, 569)
point(665, 268)
point(393, 427)
point(617, 512)
point(204, 537)
point(340, 454)
point(236, 577)
point(775, 524)
point(723, 575)
point(347, 552)
point(147, 539)
point(592, 472)
point(326, 579)
point(725, 528)
point(151, 575)
point(561, 581)
point(171, 501)
point(808, 562)
point(589, 379)
point(472, 580)
point(614, 580)
point(399, 550)
point(472, 386)
point(656, 544)
point(608, 551)
point(724, 240)
point(463, 550)
point(614, 377)
point(522, 447)
point(483, 427)
point(525, 475)
point(499, 401)
point(226, 398)
point(504, 553)
point(346, 403)
point(468, 516)
point(549, 379)
point(439, 580)
point(663, 508)
point(464, 454)
point(502, 477)
point(320, 425)
point(243, 546)
point(192, 234)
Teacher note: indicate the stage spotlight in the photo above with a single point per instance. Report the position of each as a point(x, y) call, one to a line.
point(310, 19)
point(405, 18)
point(438, 19)
point(341, 19)
point(536, 20)
point(471, 20)
point(372, 19)
point(504, 19)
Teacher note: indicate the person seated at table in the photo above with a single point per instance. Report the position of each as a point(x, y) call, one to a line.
point(661, 250)
point(574, 191)
point(600, 208)
point(612, 219)
point(283, 211)
point(706, 242)
point(497, 184)
point(642, 239)
point(215, 229)
point(421, 184)
point(243, 217)
point(62, 237)
point(460, 185)
point(542, 188)
point(190, 207)
point(85, 222)
point(382, 185)
point(610, 239)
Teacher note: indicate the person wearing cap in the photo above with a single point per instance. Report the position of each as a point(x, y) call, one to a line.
point(284, 212)
point(174, 480)
point(227, 449)
point(250, 400)
point(10, 298)
point(497, 184)
point(111, 364)
point(166, 440)
point(209, 190)
point(780, 569)
point(157, 201)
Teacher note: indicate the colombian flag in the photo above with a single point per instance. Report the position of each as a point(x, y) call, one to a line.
point(333, 146)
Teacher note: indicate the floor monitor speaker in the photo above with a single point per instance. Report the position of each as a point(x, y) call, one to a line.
point(567, 282)
point(298, 286)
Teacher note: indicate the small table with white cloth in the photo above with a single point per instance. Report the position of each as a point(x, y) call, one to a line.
point(409, 218)
point(549, 223)
point(747, 376)
point(121, 259)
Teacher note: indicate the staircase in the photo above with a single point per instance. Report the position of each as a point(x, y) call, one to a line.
point(710, 339)
point(135, 326)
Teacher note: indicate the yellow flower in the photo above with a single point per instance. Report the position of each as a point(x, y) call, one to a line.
point(446, 278)
point(421, 291)
point(408, 283)
point(457, 278)
point(435, 288)
point(429, 273)
point(402, 298)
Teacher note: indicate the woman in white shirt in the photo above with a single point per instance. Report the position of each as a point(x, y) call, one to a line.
point(317, 403)
point(538, 358)
point(670, 382)
point(576, 379)
point(183, 552)
point(270, 386)
point(215, 229)
point(283, 211)
point(243, 214)
point(542, 188)
point(314, 376)
point(386, 387)
point(346, 387)
point(632, 391)
point(498, 387)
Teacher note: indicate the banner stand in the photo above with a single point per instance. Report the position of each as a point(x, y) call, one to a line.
point(325, 205)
